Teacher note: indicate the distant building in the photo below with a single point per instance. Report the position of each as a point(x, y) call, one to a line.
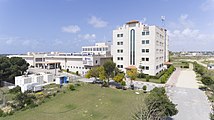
point(98, 49)
point(80, 62)
point(136, 44)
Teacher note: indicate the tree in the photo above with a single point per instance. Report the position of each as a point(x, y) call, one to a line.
point(11, 67)
point(156, 106)
point(119, 77)
point(132, 74)
point(109, 68)
point(94, 72)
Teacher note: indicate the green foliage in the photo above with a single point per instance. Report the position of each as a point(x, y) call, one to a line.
point(147, 78)
point(144, 87)
point(119, 77)
point(123, 83)
point(11, 67)
point(157, 106)
point(24, 100)
point(94, 72)
point(167, 74)
point(17, 89)
point(206, 80)
point(206, 77)
point(141, 75)
point(71, 87)
point(1, 112)
point(109, 68)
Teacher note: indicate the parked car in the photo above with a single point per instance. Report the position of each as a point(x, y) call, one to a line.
point(97, 81)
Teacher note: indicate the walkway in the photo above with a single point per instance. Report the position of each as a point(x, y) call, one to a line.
point(191, 102)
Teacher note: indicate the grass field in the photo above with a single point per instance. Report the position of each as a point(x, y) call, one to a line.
point(88, 102)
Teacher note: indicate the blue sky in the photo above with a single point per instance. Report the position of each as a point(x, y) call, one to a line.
point(66, 25)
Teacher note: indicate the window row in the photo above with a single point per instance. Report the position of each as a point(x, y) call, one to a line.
point(145, 67)
point(119, 58)
point(159, 35)
point(145, 50)
point(145, 33)
point(119, 35)
point(160, 58)
point(120, 51)
point(145, 59)
point(159, 43)
point(120, 66)
point(159, 66)
point(145, 41)
point(75, 67)
point(95, 49)
point(119, 43)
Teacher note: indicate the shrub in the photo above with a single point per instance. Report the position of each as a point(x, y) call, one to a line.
point(207, 80)
point(147, 78)
point(17, 89)
point(123, 83)
point(141, 75)
point(144, 87)
point(1, 112)
point(71, 87)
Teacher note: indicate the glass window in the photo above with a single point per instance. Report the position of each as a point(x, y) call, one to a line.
point(147, 59)
point(147, 67)
point(147, 32)
point(143, 50)
point(121, 35)
point(147, 41)
point(147, 50)
point(143, 41)
point(143, 59)
point(143, 33)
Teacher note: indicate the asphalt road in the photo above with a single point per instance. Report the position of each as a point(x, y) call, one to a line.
point(192, 103)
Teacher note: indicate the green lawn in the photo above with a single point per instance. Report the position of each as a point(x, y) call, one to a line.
point(88, 102)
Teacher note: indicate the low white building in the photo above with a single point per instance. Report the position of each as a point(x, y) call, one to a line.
point(21, 80)
point(74, 62)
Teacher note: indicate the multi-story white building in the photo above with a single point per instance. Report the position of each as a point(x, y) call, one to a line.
point(136, 44)
point(80, 62)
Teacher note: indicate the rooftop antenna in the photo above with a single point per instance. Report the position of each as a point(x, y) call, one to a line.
point(163, 18)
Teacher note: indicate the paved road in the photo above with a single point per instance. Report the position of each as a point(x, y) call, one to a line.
point(191, 102)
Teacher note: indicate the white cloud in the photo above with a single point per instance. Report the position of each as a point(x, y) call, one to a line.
point(97, 22)
point(207, 5)
point(71, 29)
point(185, 36)
point(87, 36)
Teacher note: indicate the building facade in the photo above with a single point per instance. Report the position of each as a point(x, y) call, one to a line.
point(98, 49)
point(141, 46)
point(74, 62)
